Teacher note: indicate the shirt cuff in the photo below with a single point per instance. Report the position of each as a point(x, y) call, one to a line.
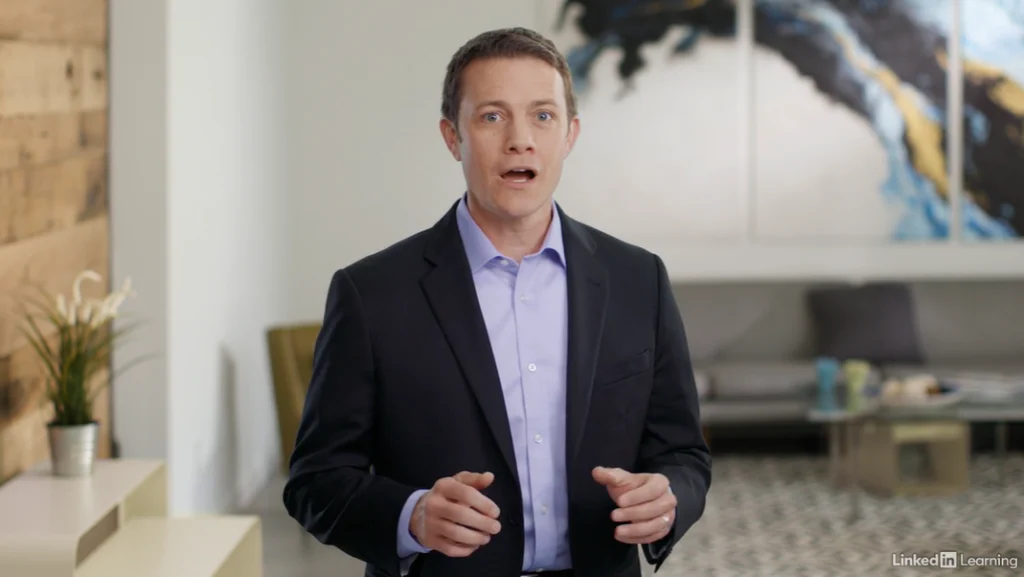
point(407, 544)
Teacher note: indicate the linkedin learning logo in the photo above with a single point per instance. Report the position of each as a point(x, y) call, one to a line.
point(952, 560)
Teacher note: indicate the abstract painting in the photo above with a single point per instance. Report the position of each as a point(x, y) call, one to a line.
point(660, 101)
point(992, 48)
point(850, 119)
point(849, 128)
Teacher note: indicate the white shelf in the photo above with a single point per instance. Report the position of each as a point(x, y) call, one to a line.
point(113, 523)
point(38, 504)
point(207, 546)
point(49, 524)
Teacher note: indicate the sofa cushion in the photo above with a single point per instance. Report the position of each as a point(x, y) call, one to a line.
point(764, 380)
point(873, 322)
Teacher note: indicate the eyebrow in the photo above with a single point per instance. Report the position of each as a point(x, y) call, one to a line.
point(503, 104)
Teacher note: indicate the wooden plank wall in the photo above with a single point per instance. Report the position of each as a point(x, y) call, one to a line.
point(53, 191)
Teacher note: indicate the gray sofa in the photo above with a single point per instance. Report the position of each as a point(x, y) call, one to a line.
point(754, 344)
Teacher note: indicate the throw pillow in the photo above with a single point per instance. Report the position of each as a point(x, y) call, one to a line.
point(873, 322)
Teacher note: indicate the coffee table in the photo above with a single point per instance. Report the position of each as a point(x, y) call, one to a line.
point(846, 424)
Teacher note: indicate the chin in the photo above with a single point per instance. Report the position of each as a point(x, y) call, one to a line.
point(521, 203)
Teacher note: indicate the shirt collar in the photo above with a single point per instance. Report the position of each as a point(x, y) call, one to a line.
point(480, 250)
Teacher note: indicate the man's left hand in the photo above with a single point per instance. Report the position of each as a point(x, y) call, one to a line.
point(644, 502)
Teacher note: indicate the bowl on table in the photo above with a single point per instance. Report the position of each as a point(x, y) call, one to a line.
point(918, 392)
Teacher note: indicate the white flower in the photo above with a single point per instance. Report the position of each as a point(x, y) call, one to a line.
point(76, 287)
point(94, 311)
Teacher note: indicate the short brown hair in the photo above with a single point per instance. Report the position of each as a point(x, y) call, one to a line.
point(503, 43)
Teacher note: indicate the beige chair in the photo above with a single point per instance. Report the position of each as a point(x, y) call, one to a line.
point(291, 364)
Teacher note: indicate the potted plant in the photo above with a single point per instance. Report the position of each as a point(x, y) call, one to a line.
point(74, 340)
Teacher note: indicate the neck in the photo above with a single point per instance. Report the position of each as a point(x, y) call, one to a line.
point(514, 238)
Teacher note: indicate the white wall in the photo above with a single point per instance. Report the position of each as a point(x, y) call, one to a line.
point(201, 90)
point(138, 206)
point(227, 250)
point(369, 163)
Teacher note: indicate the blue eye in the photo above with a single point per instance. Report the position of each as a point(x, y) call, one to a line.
point(491, 116)
point(545, 114)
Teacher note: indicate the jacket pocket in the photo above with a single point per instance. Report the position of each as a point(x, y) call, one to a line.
point(611, 372)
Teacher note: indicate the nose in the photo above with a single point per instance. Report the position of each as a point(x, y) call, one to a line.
point(520, 137)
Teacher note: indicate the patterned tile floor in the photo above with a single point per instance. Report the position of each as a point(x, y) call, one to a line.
point(773, 517)
point(779, 517)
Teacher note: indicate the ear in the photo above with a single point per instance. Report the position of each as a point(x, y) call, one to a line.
point(571, 135)
point(451, 138)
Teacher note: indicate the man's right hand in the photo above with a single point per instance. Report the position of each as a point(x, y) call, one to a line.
point(454, 518)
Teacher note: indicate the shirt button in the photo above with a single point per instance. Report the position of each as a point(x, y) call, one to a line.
point(537, 438)
point(543, 509)
point(532, 367)
point(524, 298)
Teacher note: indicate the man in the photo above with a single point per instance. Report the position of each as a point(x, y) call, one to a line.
point(508, 392)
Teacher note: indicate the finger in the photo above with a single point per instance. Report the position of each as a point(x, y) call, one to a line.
point(654, 486)
point(644, 531)
point(451, 548)
point(465, 516)
point(663, 505)
point(642, 540)
point(476, 480)
point(612, 477)
point(471, 497)
point(437, 507)
point(461, 535)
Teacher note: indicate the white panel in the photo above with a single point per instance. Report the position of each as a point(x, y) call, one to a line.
point(659, 156)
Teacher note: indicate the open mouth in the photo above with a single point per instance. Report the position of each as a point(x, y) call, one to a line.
point(519, 175)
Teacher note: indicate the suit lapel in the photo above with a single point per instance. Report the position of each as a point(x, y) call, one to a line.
point(452, 295)
point(587, 288)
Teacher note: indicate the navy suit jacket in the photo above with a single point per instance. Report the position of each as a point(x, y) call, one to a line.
point(405, 391)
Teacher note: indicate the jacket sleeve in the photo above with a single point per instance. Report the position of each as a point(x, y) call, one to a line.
point(673, 443)
point(331, 489)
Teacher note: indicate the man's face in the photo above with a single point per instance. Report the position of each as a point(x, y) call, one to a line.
point(515, 135)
